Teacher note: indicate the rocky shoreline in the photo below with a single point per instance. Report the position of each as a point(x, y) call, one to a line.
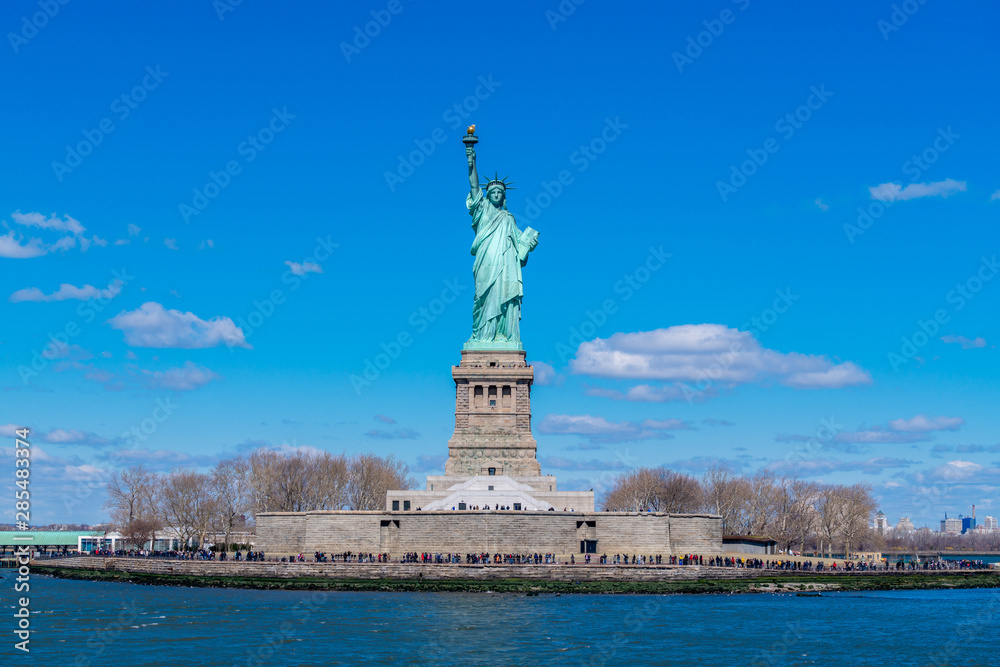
point(500, 579)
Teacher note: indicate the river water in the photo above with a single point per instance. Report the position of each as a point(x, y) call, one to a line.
point(100, 623)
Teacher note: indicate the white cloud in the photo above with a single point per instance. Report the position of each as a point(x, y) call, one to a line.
point(151, 325)
point(14, 245)
point(170, 243)
point(821, 206)
point(820, 466)
point(646, 393)
point(879, 436)
point(84, 473)
point(59, 436)
point(186, 378)
point(923, 424)
point(600, 429)
point(397, 434)
point(995, 196)
point(63, 437)
point(9, 430)
point(12, 248)
point(545, 374)
point(706, 354)
point(304, 268)
point(900, 431)
point(161, 459)
point(561, 463)
point(966, 343)
point(896, 192)
point(133, 229)
point(66, 292)
point(955, 471)
point(66, 224)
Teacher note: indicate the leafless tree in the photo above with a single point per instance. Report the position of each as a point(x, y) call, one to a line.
point(858, 506)
point(189, 504)
point(760, 502)
point(133, 502)
point(297, 482)
point(370, 476)
point(830, 508)
point(229, 484)
point(726, 495)
point(634, 490)
point(656, 490)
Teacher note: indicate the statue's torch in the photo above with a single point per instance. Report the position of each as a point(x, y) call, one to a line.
point(470, 140)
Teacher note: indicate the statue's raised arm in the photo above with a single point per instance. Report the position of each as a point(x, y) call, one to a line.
point(470, 152)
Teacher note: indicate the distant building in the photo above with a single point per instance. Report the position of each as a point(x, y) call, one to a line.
point(968, 523)
point(989, 523)
point(46, 540)
point(951, 526)
point(881, 523)
point(750, 544)
point(905, 525)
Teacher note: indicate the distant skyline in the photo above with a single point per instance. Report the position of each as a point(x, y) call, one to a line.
point(767, 237)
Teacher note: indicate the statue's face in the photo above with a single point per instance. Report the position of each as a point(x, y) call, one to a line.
point(496, 195)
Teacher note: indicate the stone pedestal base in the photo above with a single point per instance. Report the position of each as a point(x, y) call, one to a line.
point(492, 416)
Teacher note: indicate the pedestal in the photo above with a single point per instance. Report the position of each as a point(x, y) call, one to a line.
point(492, 416)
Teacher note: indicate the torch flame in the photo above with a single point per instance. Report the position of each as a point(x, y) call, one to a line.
point(472, 129)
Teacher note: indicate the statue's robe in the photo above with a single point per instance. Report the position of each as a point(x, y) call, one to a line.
point(501, 249)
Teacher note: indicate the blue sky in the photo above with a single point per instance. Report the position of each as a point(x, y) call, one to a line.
point(182, 168)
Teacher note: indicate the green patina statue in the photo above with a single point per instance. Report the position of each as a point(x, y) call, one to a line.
point(501, 249)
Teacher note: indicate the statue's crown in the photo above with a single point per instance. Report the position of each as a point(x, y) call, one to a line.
point(500, 183)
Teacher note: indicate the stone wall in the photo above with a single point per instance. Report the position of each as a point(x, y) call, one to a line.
point(579, 572)
point(489, 532)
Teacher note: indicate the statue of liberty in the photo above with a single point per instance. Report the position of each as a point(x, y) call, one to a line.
point(501, 249)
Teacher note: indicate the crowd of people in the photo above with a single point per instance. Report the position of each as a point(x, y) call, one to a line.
point(174, 554)
point(484, 558)
point(943, 564)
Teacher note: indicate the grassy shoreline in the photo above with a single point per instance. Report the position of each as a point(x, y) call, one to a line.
point(788, 583)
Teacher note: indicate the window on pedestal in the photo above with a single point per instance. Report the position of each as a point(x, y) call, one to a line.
point(493, 396)
point(506, 397)
point(406, 505)
point(478, 397)
point(395, 505)
point(492, 471)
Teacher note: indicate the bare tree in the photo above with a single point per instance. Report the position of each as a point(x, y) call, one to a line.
point(858, 506)
point(655, 490)
point(634, 490)
point(725, 495)
point(231, 493)
point(297, 482)
point(370, 476)
point(680, 493)
point(132, 499)
point(830, 507)
point(760, 502)
point(804, 516)
point(189, 504)
point(794, 511)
